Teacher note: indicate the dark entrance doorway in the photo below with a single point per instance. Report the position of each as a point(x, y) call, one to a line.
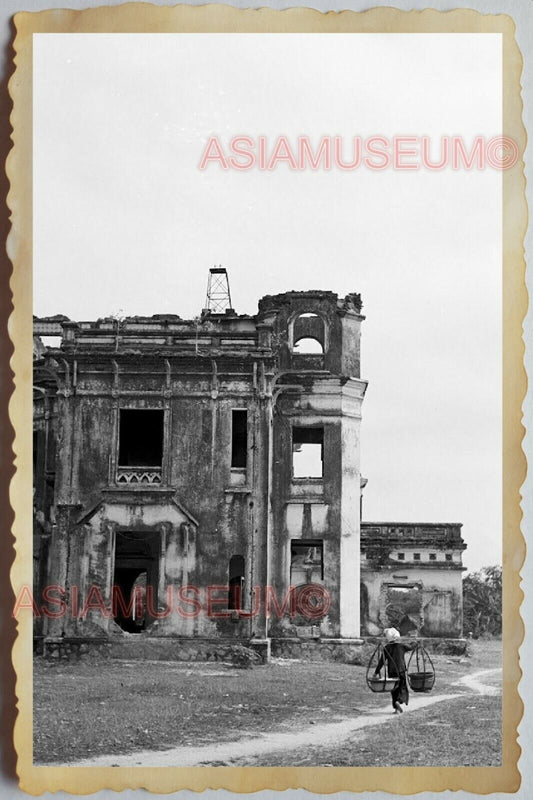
point(135, 579)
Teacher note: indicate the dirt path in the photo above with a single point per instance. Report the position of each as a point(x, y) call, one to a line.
point(473, 682)
point(252, 746)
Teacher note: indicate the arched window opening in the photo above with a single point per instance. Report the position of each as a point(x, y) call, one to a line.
point(236, 582)
point(308, 346)
point(308, 334)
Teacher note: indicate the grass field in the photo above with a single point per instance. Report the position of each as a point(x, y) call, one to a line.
point(87, 709)
point(450, 734)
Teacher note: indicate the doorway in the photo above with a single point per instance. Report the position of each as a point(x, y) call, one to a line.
point(135, 578)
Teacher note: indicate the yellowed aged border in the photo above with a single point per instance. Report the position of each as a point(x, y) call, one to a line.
point(139, 18)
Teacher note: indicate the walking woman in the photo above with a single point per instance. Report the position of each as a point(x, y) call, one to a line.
point(394, 653)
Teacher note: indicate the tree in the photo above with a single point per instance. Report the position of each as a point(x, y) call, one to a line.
point(482, 602)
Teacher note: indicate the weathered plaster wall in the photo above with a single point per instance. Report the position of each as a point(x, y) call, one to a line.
point(191, 514)
point(440, 599)
point(197, 466)
point(326, 509)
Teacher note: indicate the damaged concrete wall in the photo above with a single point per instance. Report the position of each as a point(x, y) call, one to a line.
point(412, 578)
point(181, 511)
point(321, 393)
point(201, 459)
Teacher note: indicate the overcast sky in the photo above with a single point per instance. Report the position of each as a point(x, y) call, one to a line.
point(125, 222)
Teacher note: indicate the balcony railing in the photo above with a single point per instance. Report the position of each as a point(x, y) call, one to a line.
point(139, 476)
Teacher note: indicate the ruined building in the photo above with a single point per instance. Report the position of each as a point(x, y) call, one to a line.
point(411, 577)
point(207, 466)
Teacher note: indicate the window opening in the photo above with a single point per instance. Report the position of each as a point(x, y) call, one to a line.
point(239, 438)
point(448, 556)
point(236, 582)
point(308, 334)
point(432, 556)
point(35, 453)
point(416, 556)
point(307, 561)
point(308, 346)
point(307, 452)
point(403, 607)
point(52, 341)
point(401, 556)
point(140, 438)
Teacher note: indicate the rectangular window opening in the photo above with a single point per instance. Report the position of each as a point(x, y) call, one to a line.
point(35, 453)
point(307, 561)
point(140, 438)
point(448, 556)
point(401, 556)
point(239, 438)
point(432, 556)
point(236, 583)
point(307, 452)
point(53, 341)
point(416, 556)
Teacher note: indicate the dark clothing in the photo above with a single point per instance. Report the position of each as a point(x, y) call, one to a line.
point(401, 693)
point(394, 653)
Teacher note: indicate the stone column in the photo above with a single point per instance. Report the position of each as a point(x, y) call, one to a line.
point(60, 568)
point(350, 518)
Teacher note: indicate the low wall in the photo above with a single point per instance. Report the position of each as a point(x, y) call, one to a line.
point(348, 651)
point(75, 649)
point(355, 651)
point(174, 649)
point(138, 647)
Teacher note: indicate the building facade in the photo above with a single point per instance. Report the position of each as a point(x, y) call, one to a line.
point(209, 453)
point(210, 469)
point(411, 578)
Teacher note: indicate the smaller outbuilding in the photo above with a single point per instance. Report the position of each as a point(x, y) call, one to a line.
point(411, 578)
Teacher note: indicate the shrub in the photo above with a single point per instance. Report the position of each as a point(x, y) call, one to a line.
point(482, 602)
point(242, 657)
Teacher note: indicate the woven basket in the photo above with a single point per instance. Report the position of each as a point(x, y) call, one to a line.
point(382, 684)
point(421, 681)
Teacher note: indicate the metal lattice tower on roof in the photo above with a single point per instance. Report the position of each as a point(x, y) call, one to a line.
point(218, 298)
